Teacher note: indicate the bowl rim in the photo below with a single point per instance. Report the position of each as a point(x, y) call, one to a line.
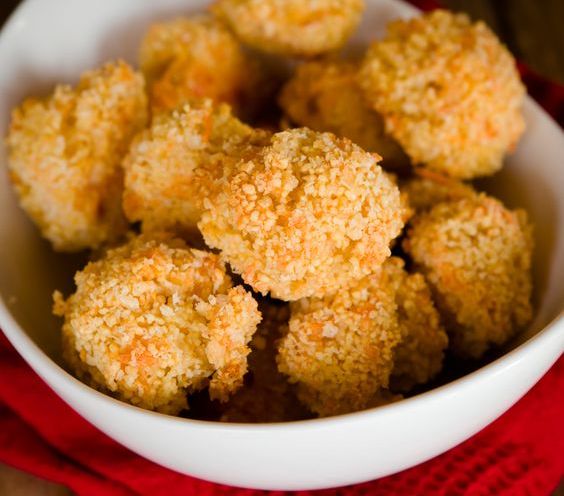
point(43, 365)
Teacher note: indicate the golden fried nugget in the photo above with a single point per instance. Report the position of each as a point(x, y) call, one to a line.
point(302, 28)
point(154, 320)
point(197, 57)
point(171, 167)
point(428, 188)
point(325, 96)
point(346, 349)
point(65, 152)
point(305, 215)
point(476, 255)
point(448, 91)
point(266, 395)
point(339, 349)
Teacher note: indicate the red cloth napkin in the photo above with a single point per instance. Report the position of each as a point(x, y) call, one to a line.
point(521, 453)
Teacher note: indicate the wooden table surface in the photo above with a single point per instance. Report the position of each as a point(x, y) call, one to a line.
point(532, 30)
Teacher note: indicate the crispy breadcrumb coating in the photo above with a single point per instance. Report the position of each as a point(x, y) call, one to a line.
point(171, 167)
point(154, 320)
point(302, 28)
point(325, 96)
point(266, 395)
point(339, 349)
point(449, 93)
point(476, 255)
point(346, 349)
point(197, 57)
point(65, 152)
point(418, 357)
point(304, 216)
point(428, 188)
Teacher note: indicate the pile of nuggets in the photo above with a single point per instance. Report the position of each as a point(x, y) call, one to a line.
point(255, 263)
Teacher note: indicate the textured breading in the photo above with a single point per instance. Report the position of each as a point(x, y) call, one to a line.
point(266, 395)
point(197, 57)
point(339, 349)
point(292, 27)
point(65, 152)
point(449, 93)
point(305, 215)
point(346, 349)
point(428, 188)
point(171, 167)
point(325, 96)
point(419, 355)
point(476, 255)
point(154, 320)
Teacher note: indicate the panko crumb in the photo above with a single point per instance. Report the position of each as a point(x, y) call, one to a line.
point(171, 167)
point(305, 215)
point(345, 371)
point(266, 396)
point(325, 96)
point(428, 188)
point(418, 357)
point(363, 345)
point(448, 91)
point(65, 152)
point(154, 320)
point(303, 28)
point(476, 255)
point(198, 57)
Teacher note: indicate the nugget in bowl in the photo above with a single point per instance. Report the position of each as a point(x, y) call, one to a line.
point(292, 27)
point(344, 349)
point(448, 91)
point(476, 255)
point(304, 215)
point(325, 96)
point(171, 167)
point(155, 320)
point(197, 57)
point(65, 152)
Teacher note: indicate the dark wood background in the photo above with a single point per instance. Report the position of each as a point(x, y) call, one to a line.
point(533, 31)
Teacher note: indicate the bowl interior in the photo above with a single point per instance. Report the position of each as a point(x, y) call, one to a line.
point(35, 55)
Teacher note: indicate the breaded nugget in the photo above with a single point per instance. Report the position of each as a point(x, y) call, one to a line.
point(65, 152)
point(418, 357)
point(476, 255)
point(154, 320)
point(197, 57)
point(302, 28)
point(428, 188)
point(266, 395)
point(171, 167)
point(449, 93)
point(339, 349)
point(305, 215)
point(325, 96)
point(343, 350)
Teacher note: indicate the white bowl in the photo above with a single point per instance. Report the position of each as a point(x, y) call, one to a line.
point(47, 42)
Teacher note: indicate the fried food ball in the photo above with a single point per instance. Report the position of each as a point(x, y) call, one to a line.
point(418, 357)
point(154, 320)
point(267, 396)
point(325, 96)
point(303, 28)
point(171, 167)
point(305, 215)
point(346, 349)
point(65, 152)
point(448, 91)
point(428, 188)
point(476, 255)
point(197, 57)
